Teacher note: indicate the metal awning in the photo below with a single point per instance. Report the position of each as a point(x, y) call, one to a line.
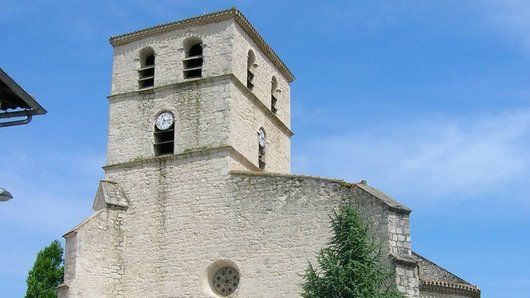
point(15, 102)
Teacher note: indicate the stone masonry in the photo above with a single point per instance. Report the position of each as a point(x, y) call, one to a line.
point(166, 225)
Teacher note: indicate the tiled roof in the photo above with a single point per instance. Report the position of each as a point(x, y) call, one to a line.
point(434, 278)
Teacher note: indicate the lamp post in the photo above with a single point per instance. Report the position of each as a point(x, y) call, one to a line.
point(5, 195)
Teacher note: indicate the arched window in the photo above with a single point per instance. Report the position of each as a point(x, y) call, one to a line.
point(251, 60)
point(164, 135)
point(193, 60)
point(262, 142)
point(146, 73)
point(274, 100)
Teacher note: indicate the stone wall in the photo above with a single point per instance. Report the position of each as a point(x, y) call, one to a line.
point(177, 223)
point(209, 113)
point(187, 212)
point(201, 111)
point(290, 216)
point(168, 47)
point(248, 115)
point(93, 257)
point(390, 221)
point(263, 73)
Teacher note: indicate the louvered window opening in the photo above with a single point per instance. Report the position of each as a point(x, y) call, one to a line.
point(146, 74)
point(193, 63)
point(164, 141)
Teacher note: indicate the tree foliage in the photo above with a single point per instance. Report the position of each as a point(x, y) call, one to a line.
point(350, 266)
point(47, 272)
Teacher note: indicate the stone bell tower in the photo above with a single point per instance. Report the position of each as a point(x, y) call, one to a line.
point(190, 102)
point(217, 84)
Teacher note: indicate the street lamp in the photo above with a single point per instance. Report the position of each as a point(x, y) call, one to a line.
point(5, 195)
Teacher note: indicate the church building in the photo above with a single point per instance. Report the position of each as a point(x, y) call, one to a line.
point(198, 199)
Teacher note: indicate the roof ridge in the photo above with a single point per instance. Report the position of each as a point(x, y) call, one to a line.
point(115, 39)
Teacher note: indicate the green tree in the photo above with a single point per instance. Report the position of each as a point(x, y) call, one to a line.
point(47, 272)
point(350, 266)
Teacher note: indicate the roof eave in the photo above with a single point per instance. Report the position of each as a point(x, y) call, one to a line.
point(35, 107)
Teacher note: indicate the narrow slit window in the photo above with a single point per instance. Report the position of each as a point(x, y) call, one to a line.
point(146, 73)
point(251, 60)
point(194, 60)
point(164, 135)
point(274, 100)
point(262, 142)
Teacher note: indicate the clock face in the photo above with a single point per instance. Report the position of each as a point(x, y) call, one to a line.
point(164, 120)
point(261, 138)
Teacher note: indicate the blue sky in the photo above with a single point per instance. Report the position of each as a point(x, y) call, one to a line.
point(428, 101)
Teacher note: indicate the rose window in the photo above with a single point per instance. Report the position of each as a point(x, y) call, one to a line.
point(225, 281)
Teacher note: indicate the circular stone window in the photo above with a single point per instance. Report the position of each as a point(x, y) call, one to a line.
point(225, 281)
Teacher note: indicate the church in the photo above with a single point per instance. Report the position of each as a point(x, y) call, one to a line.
point(198, 199)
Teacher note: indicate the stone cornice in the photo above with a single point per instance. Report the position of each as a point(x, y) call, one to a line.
point(406, 260)
point(135, 163)
point(215, 17)
point(288, 176)
point(205, 153)
point(253, 98)
point(449, 288)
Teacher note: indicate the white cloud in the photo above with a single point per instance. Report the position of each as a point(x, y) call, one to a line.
point(431, 160)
